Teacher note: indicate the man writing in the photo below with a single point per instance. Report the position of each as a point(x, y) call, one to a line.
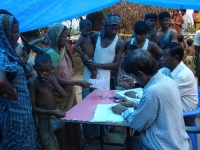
point(158, 116)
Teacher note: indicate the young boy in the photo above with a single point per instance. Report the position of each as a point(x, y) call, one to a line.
point(190, 52)
point(86, 49)
point(42, 89)
point(181, 41)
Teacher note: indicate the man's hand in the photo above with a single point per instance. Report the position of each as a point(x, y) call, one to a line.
point(58, 113)
point(85, 84)
point(118, 109)
point(85, 58)
point(126, 102)
point(127, 79)
point(92, 65)
point(131, 94)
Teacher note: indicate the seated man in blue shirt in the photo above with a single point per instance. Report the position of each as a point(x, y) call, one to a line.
point(159, 115)
point(175, 69)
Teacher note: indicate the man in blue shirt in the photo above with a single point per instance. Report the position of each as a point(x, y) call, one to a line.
point(159, 115)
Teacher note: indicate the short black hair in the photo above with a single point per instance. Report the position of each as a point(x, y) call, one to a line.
point(189, 42)
point(163, 15)
point(175, 49)
point(5, 12)
point(84, 23)
point(180, 38)
point(42, 59)
point(140, 60)
point(184, 10)
point(151, 16)
point(140, 27)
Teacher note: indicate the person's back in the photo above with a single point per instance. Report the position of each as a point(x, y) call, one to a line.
point(42, 89)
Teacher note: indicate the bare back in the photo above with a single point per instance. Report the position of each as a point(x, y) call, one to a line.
point(86, 46)
point(190, 50)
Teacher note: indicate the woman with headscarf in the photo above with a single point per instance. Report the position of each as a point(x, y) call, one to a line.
point(62, 65)
point(17, 125)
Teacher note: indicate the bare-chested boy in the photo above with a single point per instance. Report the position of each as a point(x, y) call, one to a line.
point(140, 41)
point(84, 42)
point(190, 52)
point(42, 89)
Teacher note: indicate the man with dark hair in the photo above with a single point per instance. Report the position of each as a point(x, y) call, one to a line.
point(140, 41)
point(159, 116)
point(187, 21)
point(107, 56)
point(151, 19)
point(166, 34)
point(175, 68)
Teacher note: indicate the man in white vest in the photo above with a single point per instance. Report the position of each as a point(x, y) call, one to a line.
point(107, 56)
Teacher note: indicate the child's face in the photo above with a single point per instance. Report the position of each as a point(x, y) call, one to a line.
point(86, 31)
point(43, 68)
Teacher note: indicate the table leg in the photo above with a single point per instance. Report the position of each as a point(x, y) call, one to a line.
point(128, 138)
point(101, 135)
point(76, 137)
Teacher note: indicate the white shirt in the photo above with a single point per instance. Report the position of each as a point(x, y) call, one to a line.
point(197, 38)
point(186, 84)
point(187, 19)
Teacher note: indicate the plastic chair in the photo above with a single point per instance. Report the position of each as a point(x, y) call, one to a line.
point(193, 130)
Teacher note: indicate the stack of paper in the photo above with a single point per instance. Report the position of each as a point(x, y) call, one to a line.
point(98, 83)
point(104, 113)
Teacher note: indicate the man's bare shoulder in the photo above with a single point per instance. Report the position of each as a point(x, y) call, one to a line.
point(32, 80)
point(120, 42)
point(127, 42)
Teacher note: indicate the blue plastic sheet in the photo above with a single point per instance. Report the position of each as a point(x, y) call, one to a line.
point(33, 14)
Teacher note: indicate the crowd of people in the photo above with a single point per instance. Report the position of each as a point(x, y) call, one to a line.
point(37, 87)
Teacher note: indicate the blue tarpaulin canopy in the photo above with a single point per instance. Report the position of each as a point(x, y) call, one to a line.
point(33, 14)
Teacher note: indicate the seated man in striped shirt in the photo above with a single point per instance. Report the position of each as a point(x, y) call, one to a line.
point(159, 114)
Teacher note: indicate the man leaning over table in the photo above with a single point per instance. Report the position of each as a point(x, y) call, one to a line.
point(159, 115)
point(187, 85)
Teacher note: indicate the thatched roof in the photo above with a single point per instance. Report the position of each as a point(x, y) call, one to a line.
point(129, 12)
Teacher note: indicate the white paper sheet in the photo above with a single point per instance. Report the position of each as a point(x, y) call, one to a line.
point(104, 113)
point(98, 83)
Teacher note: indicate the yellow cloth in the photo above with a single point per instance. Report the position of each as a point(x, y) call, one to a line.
point(198, 19)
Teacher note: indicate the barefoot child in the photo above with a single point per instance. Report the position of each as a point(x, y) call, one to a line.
point(86, 49)
point(190, 52)
point(42, 89)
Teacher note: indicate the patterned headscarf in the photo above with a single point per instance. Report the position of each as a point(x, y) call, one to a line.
point(111, 19)
point(53, 35)
point(8, 56)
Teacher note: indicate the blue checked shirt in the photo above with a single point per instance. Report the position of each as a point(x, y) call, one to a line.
point(159, 116)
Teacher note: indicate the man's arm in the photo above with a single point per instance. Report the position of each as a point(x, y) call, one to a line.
point(127, 43)
point(173, 35)
point(143, 119)
point(156, 49)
